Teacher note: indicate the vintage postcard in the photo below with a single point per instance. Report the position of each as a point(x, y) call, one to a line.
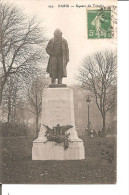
point(58, 92)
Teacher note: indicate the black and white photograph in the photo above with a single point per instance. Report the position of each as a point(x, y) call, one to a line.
point(58, 92)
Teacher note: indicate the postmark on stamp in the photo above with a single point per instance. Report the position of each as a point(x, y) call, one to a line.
point(99, 23)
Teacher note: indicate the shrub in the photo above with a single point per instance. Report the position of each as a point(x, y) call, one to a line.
point(13, 129)
point(107, 151)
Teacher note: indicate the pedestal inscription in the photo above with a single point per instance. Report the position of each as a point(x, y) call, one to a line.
point(57, 106)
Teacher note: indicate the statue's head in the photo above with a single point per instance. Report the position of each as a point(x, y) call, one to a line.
point(57, 33)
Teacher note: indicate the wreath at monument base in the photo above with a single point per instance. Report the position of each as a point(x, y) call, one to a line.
point(58, 134)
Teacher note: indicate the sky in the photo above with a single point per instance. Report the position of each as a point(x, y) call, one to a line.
point(73, 23)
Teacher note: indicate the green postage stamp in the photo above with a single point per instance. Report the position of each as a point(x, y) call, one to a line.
point(99, 23)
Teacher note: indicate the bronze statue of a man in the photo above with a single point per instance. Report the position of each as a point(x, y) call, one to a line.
point(58, 51)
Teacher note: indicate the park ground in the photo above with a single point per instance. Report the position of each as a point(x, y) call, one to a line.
point(17, 167)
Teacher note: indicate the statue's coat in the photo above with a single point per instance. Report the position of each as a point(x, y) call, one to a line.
point(65, 57)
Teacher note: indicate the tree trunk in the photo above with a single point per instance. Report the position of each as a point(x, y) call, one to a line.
point(1, 91)
point(37, 122)
point(9, 114)
point(104, 125)
point(14, 114)
point(0, 97)
point(9, 109)
point(2, 83)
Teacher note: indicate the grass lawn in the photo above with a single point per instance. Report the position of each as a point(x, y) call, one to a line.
point(99, 166)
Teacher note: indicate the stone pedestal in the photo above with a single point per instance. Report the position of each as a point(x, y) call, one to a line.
point(57, 108)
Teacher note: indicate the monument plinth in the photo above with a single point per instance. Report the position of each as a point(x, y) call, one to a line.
point(57, 108)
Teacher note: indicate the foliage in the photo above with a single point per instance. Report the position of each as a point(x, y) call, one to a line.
point(13, 129)
point(107, 152)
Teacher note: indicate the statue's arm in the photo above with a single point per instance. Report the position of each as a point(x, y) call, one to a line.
point(49, 48)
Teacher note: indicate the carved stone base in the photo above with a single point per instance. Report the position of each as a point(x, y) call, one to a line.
point(53, 151)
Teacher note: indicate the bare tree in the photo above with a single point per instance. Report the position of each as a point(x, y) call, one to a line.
point(35, 98)
point(21, 43)
point(11, 97)
point(98, 76)
point(15, 94)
